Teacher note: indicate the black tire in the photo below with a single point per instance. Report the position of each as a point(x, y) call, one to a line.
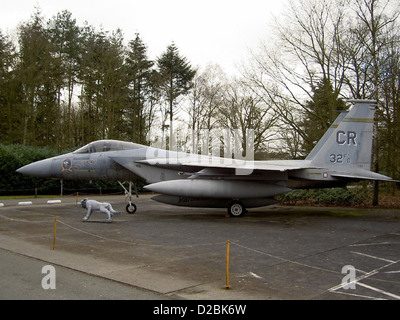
point(131, 208)
point(236, 209)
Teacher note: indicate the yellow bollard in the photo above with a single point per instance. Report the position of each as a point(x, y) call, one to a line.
point(54, 234)
point(227, 265)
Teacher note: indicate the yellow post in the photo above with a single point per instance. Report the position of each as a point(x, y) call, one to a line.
point(54, 234)
point(227, 265)
point(77, 197)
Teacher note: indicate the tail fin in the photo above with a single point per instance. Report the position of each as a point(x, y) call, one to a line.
point(326, 136)
point(349, 145)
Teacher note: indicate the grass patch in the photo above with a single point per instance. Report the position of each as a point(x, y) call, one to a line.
point(27, 197)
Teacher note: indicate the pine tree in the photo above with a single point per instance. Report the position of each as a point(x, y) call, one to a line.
point(139, 70)
point(320, 113)
point(65, 35)
point(8, 93)
point(104, 85)
point(176, 75)
point(38, 71)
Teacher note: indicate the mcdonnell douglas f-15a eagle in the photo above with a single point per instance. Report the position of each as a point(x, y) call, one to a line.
point(343, 155)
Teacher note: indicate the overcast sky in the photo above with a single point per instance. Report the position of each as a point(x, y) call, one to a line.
point(205, 31)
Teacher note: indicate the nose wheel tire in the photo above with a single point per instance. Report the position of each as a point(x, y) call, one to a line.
point(131, 208)
point(236, 209)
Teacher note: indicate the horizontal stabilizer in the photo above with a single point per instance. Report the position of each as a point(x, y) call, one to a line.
point(363, 175)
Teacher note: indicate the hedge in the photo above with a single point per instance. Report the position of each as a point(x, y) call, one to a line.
point(329, 196)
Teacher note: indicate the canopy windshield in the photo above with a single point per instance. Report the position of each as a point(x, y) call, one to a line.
point(108, 145)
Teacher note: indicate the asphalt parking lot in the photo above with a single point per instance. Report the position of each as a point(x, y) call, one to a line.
point(170, 252)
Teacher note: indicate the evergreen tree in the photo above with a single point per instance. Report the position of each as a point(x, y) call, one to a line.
point(8, 114)
point(39, 74)
point(176, 75)
point(139, 70)
point(320, 113)
point(65, 35)
point(104, 86)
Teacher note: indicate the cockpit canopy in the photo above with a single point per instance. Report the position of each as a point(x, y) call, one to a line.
point(108, 145)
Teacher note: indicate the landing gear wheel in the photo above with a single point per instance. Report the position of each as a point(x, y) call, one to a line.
point(131, 208)
point(236, 209)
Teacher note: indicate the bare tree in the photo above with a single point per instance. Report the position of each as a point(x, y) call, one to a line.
point(306, 53)
point(370, 52)
point(351, 46)
point(204, 102)
point(242, 110)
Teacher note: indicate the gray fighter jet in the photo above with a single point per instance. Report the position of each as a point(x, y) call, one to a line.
point(343, 155)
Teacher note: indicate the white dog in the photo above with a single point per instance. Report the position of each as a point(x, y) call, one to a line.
point(91, 205)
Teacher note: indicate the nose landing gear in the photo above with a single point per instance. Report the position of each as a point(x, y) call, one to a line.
point(130, 207)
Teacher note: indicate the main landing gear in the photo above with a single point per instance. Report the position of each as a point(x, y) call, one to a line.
point(130, 207)
point(236, 209)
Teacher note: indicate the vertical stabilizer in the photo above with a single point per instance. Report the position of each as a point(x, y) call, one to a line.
point(326, 136)
point(350, 144)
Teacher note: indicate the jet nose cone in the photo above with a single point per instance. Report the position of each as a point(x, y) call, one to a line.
point(41, 169)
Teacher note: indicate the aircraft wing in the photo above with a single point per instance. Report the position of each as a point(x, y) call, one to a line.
point(234, 169)
point(258, 170)
point(215, 167)
point(228, 169)
point(224, 163)
point(362, 175)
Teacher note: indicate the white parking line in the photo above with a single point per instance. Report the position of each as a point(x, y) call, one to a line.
point(373, 257)
point(369, 244)
point(358, 280)
point(357, 295)
point(379, 290)
point(255, 275)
